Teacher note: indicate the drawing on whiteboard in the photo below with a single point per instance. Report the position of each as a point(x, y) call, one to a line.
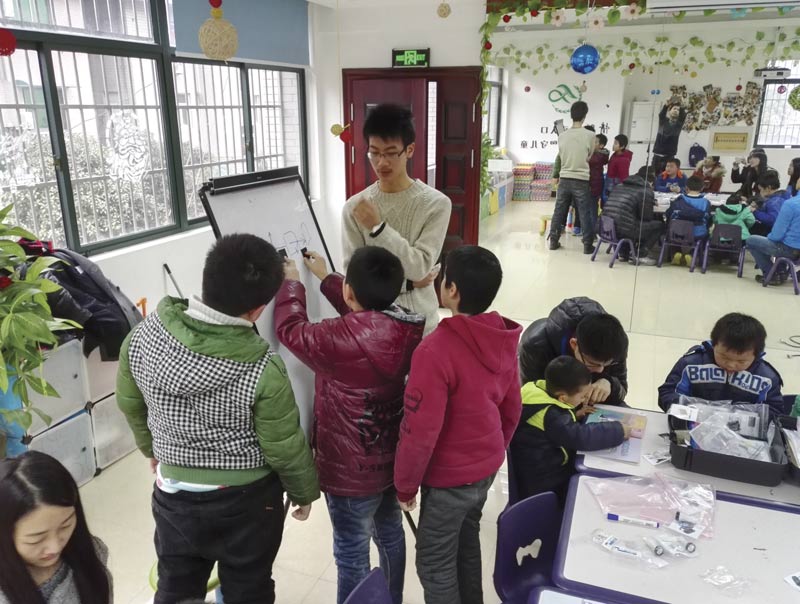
point(293, 242)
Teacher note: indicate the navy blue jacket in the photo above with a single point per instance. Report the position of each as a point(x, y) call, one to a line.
point(697, 374)
point(768, 213)
point(694, 209)
point(543, 448)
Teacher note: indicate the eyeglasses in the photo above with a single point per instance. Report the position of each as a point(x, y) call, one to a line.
point(390, 155)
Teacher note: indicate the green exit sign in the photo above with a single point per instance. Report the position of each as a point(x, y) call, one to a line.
point(411, 58)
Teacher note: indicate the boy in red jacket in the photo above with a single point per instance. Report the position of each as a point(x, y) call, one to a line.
point(361, 360)
point(619, 164)
point(462, 405)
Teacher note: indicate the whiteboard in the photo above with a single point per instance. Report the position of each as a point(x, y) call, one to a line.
point(274, 206)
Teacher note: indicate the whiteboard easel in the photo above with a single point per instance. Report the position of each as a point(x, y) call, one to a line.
point(275, 206)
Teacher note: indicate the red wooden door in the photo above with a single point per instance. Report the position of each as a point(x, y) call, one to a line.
point(458, 154)
point(366, 93)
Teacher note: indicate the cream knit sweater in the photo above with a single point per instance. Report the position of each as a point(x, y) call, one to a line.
point(416, 225)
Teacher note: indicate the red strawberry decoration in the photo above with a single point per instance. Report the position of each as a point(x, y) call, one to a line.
point(488, 45)
point(5, 281)
point(507, 18)
point(347, 135)
point(632, 66)
point(534, 13)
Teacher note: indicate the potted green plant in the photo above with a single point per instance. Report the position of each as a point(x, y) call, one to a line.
point(27, 328)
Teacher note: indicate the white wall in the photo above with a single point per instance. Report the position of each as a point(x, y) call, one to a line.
point(527, 111)
point(368, 31)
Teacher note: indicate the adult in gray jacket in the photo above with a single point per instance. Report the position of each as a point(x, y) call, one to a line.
point(48, 555)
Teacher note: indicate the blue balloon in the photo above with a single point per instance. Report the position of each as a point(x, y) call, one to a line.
point(585, 59)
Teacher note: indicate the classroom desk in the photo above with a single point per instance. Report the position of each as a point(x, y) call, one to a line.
point(784, 495)
point(552, 595)
point(663, 200)
point(756, 542)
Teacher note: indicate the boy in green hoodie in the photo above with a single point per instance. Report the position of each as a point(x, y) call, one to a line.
point(212, 408)
point(550, 431)
point(733, 212)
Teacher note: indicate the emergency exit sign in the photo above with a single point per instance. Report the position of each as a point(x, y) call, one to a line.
point(411, 58)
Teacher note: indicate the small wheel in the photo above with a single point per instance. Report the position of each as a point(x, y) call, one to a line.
point(691, 547)
point(659, 550)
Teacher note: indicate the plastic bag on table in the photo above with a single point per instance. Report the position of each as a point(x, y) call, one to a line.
point(715, 436)
point(727, 582)
point(745, 419)
point(629, 551)
point(640, 497)
point(695, 503)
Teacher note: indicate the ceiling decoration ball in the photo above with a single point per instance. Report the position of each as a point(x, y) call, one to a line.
point(217, 36)
point(444, 10)
point(585, 59)
point(8, 43)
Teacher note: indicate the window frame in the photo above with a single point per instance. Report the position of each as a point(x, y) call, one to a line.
point(794, 80)
point(45, 43)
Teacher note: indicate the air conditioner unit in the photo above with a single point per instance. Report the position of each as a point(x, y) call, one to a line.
point(664, 6)
point(772, 73)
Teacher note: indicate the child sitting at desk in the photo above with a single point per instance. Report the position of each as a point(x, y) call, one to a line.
point(694, 207)
point(728, 367)
point(734, 212)
point(549, 433)
point(767, 209)
point(672, 180)
point(361, 361)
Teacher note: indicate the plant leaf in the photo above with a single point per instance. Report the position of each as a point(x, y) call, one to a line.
point(3, 374)
point(673, 52)
point(614, 15)
point(41, 264)
point(759, 36)
point(42, 415)
point(41, 386)
point(18, 416)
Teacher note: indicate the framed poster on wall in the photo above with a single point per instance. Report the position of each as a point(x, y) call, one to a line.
point(728, 141)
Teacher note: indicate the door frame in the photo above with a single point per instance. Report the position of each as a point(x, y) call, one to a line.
point(349, 76)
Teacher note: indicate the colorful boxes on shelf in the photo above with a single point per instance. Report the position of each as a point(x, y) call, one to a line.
point(523, 182)
point(533, 182)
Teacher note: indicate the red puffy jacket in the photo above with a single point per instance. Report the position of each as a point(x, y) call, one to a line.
point(361, 361)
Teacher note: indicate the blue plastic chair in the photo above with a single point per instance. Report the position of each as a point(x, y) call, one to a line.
point(607, 233)
point(680, 234)
point(791, 266)
point(524, 530)
point(372, 590)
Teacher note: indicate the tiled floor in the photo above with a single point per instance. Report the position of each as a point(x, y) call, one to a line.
point(667, 310)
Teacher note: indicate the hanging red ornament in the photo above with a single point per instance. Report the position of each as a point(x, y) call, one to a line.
point(215, 3)
point(534, 13)
point(347, 135)
point(527, 88)
point(8, 43)
point(507, 18)
point(738, 87)
point(782, 89)
point(488, 45)
point(632, 66)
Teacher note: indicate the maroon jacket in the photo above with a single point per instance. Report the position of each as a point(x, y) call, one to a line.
point(361, 360)
point(462, 404)
point(597, 160)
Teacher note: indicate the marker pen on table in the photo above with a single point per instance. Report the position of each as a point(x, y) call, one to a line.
point(628, 520)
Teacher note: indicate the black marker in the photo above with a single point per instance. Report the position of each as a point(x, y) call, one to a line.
point(283, 254)
point(305, 253)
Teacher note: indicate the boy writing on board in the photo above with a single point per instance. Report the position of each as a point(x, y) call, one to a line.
point(361, 360)
point(212, 408)
point(398, 213)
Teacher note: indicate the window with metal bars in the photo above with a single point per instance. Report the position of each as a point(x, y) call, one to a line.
point(492, 106)
point(779, 122)
point(99, 150)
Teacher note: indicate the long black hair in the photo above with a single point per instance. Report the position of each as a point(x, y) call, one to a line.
point(28, 481)
point(795, 175)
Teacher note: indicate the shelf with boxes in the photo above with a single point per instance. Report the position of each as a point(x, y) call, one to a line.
point(88, 432)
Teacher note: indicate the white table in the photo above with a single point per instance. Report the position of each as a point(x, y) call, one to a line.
point(785, 494)
point(664, 199)
point(552, 595)
point(754, 542)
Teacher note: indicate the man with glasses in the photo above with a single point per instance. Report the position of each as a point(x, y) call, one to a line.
point(581, 328)
point(398, 213)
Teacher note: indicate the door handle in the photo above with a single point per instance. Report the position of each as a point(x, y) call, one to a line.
point(472, 158)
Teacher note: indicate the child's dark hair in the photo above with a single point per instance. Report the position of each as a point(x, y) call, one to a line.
point(795, 174)
point(647, 173)
point(736, 199)
point(376, 276)
point(601, 337)
point(566, 375)
point(578, 111)
point(694, 183)
point(26, 482)
point(770, 180)
point(674, 160)
point(242, 272)
point(622, 140)
point(477, 274)
point(740, 333)
point(602, 139)
point(389, 121)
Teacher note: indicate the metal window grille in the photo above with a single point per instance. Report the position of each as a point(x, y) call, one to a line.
point(27, 175)
point(490, 121)
point(119, 19)
point(779, 125)
point(211, 118)
point(112, 120)
point(276, 115)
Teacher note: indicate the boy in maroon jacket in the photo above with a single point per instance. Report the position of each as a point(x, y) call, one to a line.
point(361, 361)
point(462, 405)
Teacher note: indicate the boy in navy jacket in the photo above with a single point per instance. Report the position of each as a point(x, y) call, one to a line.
point(549, 433)
point(694, 207)
point(672, 180)
point(729, 367)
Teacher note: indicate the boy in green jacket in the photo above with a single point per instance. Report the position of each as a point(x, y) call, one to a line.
point(212, 408)
point(733, 212)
